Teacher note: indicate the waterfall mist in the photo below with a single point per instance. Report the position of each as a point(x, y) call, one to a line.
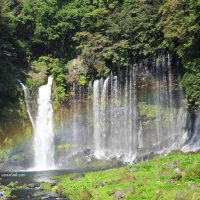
point(42, 123)
point(43, 135)
point(130, 116)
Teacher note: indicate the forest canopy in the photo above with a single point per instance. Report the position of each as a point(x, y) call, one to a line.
point(98, 36)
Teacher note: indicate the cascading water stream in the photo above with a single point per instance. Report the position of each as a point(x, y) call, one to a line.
point(194, 143)
point(42, 126)
point(130, 116)
point(121, 130)
point(27, 101)
point(104, 101)
point(96, 118)
point(43, 136)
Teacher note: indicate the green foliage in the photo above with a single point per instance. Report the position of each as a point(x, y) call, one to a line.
point(180, 24)
point(95, 20)
point(45, 186)
point(191, 84)
point(37, 75)
point(12, 65)
point(83, 80)
point(105, 35)
point(56, 69)
point(160, 178)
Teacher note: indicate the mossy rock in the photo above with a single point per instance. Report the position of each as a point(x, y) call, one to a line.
point(45, 186)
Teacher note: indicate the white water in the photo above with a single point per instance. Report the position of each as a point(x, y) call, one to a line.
point(194, 143)
point(96, 117)
point(27, 101)
point(42, 126)
point(120, 131)
point(109, 121)
point(132, 115)
point(43, 136)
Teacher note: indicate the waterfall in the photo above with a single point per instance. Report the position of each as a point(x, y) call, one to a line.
point(27, 101)
point(43, 136)
point(114, 132)
point(115, 117)
point(75, 128)
point(130, 115)
point(96, 118)
point(158, 103)
point(194, 142)
point(131, 122)
point(140, 139)
point(104, 100)
point(42, 126)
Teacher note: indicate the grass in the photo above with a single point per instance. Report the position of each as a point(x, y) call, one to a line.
point(176, 176)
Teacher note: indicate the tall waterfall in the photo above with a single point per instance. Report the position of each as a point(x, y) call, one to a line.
point(97, 114)
point(135, 113)
point(129, 116)
point(42, 126)
point(132, 120)
point(43, 136)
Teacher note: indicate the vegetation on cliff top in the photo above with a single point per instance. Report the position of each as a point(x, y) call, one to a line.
point(83, 40)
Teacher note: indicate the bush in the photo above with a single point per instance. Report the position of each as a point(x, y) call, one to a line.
point(191, 84)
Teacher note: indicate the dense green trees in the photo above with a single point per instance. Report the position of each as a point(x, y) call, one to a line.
point(180, 22)
point(12, 64)
point(93, 37)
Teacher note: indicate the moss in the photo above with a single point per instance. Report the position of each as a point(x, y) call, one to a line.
point(160, 178)
point(7, 191)
point(45, 186)
point(11, 185)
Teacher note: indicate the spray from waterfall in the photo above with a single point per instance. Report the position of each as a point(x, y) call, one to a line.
point(42, 126)
point(96, 118)
point(194, 142)
point(131, 115)
point(43, 136)
point(130, 123)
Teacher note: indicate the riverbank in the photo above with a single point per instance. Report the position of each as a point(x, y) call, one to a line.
point(175, 176)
